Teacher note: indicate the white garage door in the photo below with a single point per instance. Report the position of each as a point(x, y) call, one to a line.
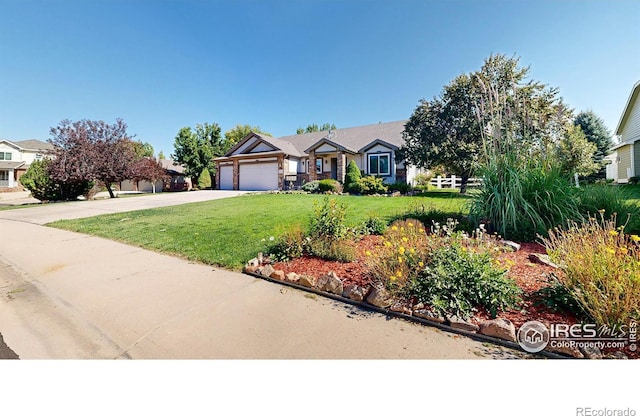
point(226, 177)
point(259, 177)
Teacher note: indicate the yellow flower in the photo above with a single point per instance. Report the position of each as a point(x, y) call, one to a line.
point(623, 250)
point(394, 228)
point(421, 264)
point(601, 211)
point(610, 250)
point(635, 238)
point(387, 244)
point(400, 259)
point(401, 250)
point(410, 224)
point(412, 250)
point(464, 249)
point(613, 232)
point(392, 278)
point(399, 273)
point(368, 253)
point(405, 239)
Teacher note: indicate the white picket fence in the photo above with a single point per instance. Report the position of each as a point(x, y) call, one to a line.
point(453, 181)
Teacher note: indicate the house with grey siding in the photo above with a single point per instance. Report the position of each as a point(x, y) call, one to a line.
point(625, 155)
point(261, 162)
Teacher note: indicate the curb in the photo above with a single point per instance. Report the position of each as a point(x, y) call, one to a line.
point(411, 318)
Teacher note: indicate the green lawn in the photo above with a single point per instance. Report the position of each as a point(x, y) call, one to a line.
point(228, 232)
point(632, 192)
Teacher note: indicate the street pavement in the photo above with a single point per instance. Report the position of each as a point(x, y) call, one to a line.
point(69, 295)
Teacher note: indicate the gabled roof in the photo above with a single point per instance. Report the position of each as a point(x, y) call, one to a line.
point(627, 109)
point(170, 165)
point(277, 145)
point(32, 144)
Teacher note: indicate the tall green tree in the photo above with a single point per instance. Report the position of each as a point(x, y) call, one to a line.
point(311, 128)
point(196, 148)
point(161, 155)
point(142, 149)
point(575, 153)
point(239, 132)
point(597, 133)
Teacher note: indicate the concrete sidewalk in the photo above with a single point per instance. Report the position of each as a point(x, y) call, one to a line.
point(68, 295)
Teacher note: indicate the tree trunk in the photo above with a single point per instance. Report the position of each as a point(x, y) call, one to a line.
point(111, 195)
point(463, 183)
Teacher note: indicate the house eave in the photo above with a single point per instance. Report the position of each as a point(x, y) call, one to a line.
point(627, 109)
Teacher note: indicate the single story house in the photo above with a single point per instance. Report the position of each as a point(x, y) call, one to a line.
point(15, 158)
point(177, 181)
point(625, 155)
point(260, 162)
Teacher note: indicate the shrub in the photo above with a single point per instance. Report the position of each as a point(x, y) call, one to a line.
point(374, 226)
point(429, 214)
point(612, 202)
point(634, 180)
point(335, 250)
point(204, 180)
point(291, 245)
point(600, 268)
point(311, 187)
point(423, 181)
point(42, 187)
point(369, 185)
point(457, 281)
point(329, 220)
point(329, 185)
point(401, 187)
point(558, 298)
point(352, 176)
point(521, 200)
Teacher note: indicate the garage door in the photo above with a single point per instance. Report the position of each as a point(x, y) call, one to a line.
point(226, 177)
point(259, 177)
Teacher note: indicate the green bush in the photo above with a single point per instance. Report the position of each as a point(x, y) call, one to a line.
point(352, 176)
point(558, 298)
point(457, 281)
point(291, 245)
point(521, 200)
point(429, 215)
point(204, 180)
point(329, 220)
point(334, 250)
point(634, 180)
point(423, 181)
point(329, 185)
point(38, 181)
point(401, 187)
point(612, 202)
point(374, 226)
point(311, 187)
point(369, 185)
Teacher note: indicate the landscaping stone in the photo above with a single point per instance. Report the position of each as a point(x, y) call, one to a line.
point(322, 282)
point(499, 328)
point(396, 193)
point(428, 315)
point(459, 323)
point(355, 293)
point(619, 355)
point(260, 258)
point(401, 308)
point(379, 297)
point(306, 280)
point(542, 259)
point(278, 275)
point(292, 277)
point(266, 270)
point(510, 244)
point(418, 306)
point(591, 352)
point(250, 269)
point(254, 262)
point(334, 285)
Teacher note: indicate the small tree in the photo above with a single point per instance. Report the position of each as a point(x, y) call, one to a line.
point(195, 149)
point(597, 133)
point(314, 127)
point(42, 187)
point(352, 176)
point(575, 153)
point(149, 169)
point(204, 180)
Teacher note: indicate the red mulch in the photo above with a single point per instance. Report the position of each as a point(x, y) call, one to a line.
point(529, 276)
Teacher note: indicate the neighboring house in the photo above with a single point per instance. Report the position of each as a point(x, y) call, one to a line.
point(625, 156)
point(261, 162)
point(16, 156)
point(177, 181)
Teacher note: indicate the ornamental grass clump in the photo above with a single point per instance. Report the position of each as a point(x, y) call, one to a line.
point(600, 268)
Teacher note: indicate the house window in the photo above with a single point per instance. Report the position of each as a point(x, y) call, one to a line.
point(379, 164)
point(4, 175)
point(319, 165)
point(5, 156)
point(38, 156)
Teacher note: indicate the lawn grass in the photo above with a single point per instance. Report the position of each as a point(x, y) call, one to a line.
point(228, 232)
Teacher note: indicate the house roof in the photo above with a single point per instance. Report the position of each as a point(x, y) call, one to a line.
point(10, 165)
point(33, 144)
point(170, 165)
point(627, 109)
point(350, 139)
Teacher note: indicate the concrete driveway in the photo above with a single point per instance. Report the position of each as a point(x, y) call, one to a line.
point(68, 295)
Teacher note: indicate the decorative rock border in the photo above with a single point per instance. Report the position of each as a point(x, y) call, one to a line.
point(498, 331)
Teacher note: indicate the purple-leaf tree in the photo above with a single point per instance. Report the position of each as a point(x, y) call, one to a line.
point(148, 169)
point(88, 150)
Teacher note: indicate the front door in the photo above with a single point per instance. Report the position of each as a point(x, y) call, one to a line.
point(334, 168)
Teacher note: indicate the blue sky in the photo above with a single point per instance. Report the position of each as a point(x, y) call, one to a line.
point(161, 65)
